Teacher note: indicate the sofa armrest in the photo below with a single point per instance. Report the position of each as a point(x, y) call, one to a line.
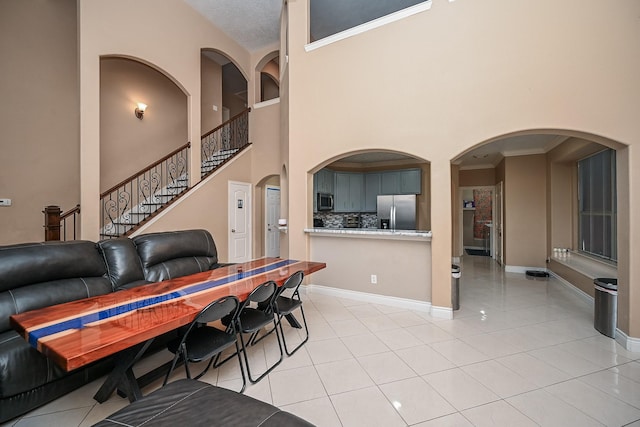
point(191, 402)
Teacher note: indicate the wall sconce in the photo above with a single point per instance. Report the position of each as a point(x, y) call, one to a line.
point(139, 111)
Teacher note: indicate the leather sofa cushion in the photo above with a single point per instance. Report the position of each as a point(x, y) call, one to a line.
point(121, 259)
point(29, 263)
point(190, 403)
point(49, 293)
point(168, 255)
point(22, 367)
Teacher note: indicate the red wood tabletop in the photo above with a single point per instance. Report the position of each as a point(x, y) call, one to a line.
point(83, 331)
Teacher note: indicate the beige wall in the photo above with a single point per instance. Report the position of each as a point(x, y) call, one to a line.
point(127, 144)
point(402, 266)
point(264, 134)
point(460, 82)
point(525, 210)
point(38, 114)
point(211, 94)
point(176, 52)
point(477, 177)
point(580, 281)
point(206, 206)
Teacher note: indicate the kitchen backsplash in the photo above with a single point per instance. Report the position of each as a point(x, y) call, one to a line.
point(333, 220)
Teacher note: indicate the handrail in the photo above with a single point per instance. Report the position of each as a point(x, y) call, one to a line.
point(55, 222)
point(70, 212)
point(142, 171)
point(222, 143)
point(143, 195)
point(245, 111)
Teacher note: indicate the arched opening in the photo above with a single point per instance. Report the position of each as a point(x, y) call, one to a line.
point(268, 205)
point(223, 89)
point(127, 143)
point(371, 216)
point(355, 180)
point(268, 77)
point(542, 214)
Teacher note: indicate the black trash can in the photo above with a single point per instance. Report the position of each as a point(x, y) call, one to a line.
point(455, 286)
point(605, 306)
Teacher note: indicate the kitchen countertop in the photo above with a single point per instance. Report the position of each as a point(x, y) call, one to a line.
point(371, 233)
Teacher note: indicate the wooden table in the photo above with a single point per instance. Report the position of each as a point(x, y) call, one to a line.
point(80, 332)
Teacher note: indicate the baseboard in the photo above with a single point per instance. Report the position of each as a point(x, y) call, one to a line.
point(408, 304)
point(567, 284)
point(629, 343)
point(521, 269)
point(442, 312)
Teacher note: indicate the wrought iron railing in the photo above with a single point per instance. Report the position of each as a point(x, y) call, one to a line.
point(223, 142)
point(61, 226)
point(143, 195)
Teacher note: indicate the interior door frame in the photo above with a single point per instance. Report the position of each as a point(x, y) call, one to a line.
point(498, 227)
point(493, 207)
point(266, 215)
point(231, 203)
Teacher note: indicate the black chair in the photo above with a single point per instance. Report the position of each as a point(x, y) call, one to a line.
point(201, 342)
point(251, 319)
point(285, 306)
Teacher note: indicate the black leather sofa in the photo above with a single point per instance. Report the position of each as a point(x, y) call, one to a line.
point(36, 275)
point(194, 403)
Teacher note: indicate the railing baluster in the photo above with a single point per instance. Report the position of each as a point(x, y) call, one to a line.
point(140, 196)
point(223, 142)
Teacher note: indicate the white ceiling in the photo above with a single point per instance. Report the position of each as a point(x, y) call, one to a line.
point(254, 24)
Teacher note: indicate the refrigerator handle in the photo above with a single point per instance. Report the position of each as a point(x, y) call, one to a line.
point(393, 218)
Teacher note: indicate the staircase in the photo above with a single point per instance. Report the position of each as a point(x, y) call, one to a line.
point(222, 143)
point(128, 205)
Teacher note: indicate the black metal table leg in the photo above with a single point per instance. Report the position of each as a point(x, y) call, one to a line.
point(122, 374)
point(293, 321)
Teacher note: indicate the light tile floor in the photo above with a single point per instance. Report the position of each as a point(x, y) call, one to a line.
point(519, 352)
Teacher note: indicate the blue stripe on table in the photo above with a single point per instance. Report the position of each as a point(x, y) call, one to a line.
point(81, 321)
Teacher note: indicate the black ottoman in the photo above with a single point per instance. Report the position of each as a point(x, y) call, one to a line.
point(194, 403)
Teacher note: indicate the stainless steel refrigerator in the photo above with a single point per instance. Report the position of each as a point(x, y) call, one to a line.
point(397, 212)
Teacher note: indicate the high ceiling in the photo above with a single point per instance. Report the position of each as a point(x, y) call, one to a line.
point(255, 24)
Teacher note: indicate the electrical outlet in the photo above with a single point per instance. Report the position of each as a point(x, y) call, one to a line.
point(374, 279)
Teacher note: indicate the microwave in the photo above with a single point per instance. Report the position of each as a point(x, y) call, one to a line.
point(325, 202)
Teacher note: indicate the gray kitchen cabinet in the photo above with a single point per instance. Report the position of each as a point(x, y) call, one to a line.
point(323, 181)
point(348, 192)
point(390, 182)
point(404, 181)
point(372, 182)
point(411, 181)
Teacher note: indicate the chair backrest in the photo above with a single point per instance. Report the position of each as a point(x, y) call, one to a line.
point(294, 281)
point(263, 293)
point(225, 306)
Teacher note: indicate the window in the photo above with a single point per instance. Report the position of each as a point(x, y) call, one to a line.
point(597, 205)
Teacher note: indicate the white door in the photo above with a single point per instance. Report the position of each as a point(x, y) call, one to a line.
point(239, 222)
point(497, 223)
point(272, 209)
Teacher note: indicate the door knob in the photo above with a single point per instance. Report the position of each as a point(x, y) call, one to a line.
point(233, 230)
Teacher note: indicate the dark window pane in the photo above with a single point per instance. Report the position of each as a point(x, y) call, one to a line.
point(597, 207)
